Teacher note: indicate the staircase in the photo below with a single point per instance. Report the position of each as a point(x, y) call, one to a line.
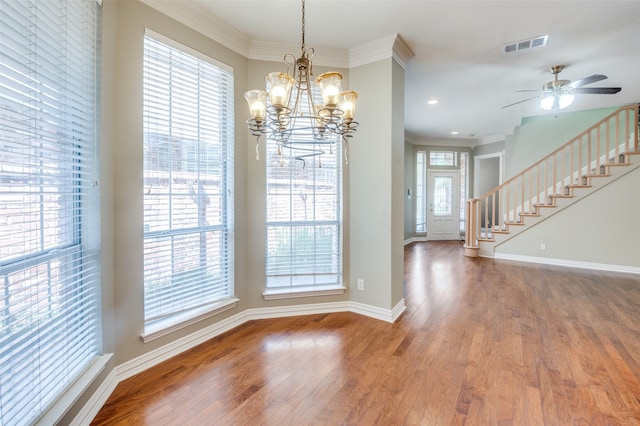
point(597, 156)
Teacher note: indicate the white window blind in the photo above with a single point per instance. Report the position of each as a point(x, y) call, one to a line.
point(188, 177)
point(464, 185)
point(421, 191)
point(49, 212)
point(304, 220)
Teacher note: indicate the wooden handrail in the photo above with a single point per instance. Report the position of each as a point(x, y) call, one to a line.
point(521, 194)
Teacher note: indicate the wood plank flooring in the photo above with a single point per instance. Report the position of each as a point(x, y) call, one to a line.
point(482, 342)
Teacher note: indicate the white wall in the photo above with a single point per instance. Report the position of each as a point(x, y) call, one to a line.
point(540, 135)
point(376, 182)
point(598, 229)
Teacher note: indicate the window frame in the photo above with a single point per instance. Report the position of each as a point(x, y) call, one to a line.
point(438, 159)
point(289, 173)
point(224, 299)
point(49, 155)
point(421, 192)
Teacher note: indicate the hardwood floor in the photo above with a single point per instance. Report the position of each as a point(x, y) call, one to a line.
point(482, 342)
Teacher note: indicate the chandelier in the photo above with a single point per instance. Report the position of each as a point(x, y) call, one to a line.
point(287, 113)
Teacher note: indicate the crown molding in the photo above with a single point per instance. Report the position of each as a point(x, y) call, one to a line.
point(199, 19)
point(392, 46)
point(202, 21)
point(323, 56)
point(402, 52)
point(498, 137)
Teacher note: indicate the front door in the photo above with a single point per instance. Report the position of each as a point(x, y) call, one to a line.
point(443, 189)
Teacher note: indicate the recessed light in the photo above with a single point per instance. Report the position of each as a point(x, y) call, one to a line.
point(454, 133)
point(432, 101)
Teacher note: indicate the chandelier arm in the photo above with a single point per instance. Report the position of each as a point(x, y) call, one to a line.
point(289, 64)
point(310, 54)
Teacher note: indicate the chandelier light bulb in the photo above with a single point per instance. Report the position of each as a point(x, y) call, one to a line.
point(281, 84)
point(257, 100)
point(330, 86)
point(348, 104)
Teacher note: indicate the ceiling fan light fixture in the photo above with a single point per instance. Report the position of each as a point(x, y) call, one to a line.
point(565, 100)
point(556, 101)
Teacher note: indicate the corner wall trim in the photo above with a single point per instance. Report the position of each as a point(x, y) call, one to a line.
point(154, 357)
point(569, 263)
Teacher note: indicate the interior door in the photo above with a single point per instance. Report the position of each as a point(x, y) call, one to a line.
point(443, 213)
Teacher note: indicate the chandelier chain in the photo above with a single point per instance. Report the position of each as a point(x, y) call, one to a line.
point(303, 51)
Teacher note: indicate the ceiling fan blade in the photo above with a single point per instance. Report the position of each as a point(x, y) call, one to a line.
point(519, 102)
point(597, 90)
point(529, 90)
point(587, 80)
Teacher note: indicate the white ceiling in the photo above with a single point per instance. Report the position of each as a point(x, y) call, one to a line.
point(458, 52)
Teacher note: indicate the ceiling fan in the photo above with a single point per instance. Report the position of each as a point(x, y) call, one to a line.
point(559, 94)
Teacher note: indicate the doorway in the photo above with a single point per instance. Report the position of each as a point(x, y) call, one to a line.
point(443, 212)
point(488, 173)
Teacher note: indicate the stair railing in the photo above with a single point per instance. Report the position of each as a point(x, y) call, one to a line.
point(552, 177)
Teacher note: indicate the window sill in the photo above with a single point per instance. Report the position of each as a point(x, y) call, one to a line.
point(176, 322)
point(290, 293)
point(59, 408)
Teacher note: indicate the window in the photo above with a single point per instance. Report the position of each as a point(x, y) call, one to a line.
point(188, 184)
point(442, 196)
point(421, 191)
point(304, 221)
point(49, 203)
point(464, 185)
point(443, 158)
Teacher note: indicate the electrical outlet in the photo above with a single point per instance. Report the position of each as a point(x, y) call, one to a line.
point(543, 246)
point(360, 282)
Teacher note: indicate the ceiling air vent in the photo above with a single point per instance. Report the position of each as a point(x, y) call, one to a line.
point(525, 44)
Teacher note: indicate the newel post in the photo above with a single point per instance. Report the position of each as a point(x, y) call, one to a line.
point(471, 228)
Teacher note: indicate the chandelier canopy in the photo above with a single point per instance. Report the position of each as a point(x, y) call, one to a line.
point(288, 114)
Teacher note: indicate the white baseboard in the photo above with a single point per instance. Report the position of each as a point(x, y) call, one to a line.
point(97, 400)
point(415, 240)
point(156, 356)
point(295, 310)
point(569, 263)
point(398, 310)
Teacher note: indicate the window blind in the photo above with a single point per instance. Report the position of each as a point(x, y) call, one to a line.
point(421, 191)
point(304, 219)
point(188, 180)
point(49, 204)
